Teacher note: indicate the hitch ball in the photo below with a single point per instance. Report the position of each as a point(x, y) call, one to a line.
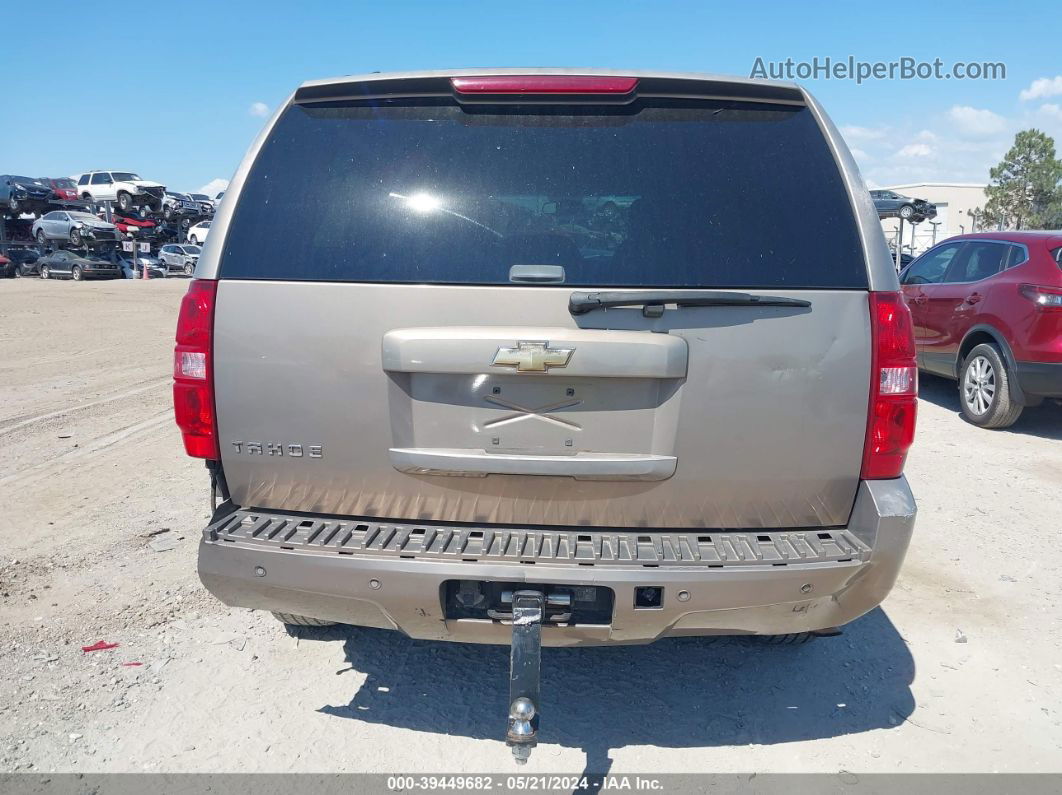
point(521, 712)
point(520, 730)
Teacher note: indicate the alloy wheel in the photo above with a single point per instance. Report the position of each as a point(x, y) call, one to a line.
point(979, 385)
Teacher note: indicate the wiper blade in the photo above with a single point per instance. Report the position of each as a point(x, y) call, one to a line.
point(581, 303)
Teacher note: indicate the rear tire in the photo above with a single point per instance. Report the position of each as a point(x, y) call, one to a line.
point(791, 639)
point(302, 621)
point(984, 389)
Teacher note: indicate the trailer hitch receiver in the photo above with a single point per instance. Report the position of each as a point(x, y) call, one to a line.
point(529, 608)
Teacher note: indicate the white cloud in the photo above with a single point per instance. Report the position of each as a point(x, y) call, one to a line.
point(1043, 87)
point(859, 154)
point(915, 150)
point(856, 133)
point(976, 122)
point(1051, 110)
point(214, 187)
point(258, 109)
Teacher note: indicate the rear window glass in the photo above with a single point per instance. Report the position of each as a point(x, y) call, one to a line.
point(676, 195)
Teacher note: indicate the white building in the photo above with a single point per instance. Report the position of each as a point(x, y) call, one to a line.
point(957, 203)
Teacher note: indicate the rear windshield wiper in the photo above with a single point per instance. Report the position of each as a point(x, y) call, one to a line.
point(581, 303)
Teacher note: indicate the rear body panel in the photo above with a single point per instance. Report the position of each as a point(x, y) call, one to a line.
point(766, 418)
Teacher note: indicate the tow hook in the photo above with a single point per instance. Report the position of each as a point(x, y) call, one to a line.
point(529, 607)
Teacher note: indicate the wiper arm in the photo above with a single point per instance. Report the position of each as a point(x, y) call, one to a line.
point(581, 303)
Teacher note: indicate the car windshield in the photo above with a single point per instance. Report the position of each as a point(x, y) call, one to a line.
point(83, 217)
point(200, 197)
point(124, 176)
point(64, 183)
point(191, 249)
point(29, 180)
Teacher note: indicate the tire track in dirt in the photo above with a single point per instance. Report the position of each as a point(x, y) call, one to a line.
point(95, 446)
point(23, 422)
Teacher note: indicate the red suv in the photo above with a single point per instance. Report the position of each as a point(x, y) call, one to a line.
point(987, 310)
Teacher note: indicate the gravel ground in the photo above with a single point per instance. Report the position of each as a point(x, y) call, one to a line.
point(961, 670)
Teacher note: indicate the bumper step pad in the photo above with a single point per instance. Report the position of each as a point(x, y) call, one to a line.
point(587, 547)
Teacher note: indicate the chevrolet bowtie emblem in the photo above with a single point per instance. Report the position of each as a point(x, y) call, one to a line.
point(532, 357)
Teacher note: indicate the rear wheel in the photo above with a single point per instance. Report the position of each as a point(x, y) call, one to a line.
point(984, 389)
point(791, 639)
point(193, 240)
point(302, 621)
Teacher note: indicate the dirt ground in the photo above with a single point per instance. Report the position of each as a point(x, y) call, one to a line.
point(961, 670)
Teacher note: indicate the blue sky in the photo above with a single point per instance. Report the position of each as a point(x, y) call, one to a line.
point(176, 91)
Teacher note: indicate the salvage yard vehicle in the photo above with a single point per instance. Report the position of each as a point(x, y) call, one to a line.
point(179, 258)
point(205, 205)
point(891, 204)
point(23, 260)
point(124, 188)
point(64, 187)
point(72, 226)
point(444, 407)
point(127, 225)
point(178, 204)
point(987, 311)
point(23, 195)
point(198, 233)
point(124, 261)
point(65, 264)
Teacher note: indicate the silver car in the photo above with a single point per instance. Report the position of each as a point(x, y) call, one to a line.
point(540, 357)
point(73, 227)
point(178, 258)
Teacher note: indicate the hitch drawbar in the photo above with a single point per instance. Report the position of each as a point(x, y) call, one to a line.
point(525, 663)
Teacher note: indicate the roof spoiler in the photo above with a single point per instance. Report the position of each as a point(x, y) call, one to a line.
point(372, 87)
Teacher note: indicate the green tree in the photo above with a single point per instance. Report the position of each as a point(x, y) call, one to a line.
point(1024, 192)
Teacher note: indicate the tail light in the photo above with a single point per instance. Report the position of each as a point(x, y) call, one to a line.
point(893, 388)
point(1045, 298)
point(193, 371)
